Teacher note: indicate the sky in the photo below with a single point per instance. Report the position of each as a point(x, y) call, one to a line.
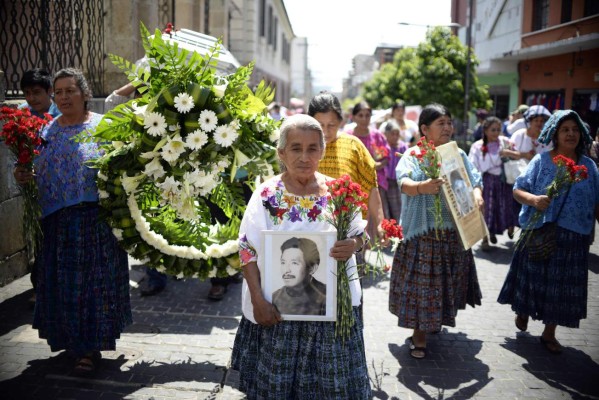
point(338, 30)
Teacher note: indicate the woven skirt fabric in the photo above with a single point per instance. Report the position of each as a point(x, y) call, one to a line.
point(296, 360)
point(552, 291)
point(82, 302)
point(391, 199)
point(431, 279)
point(499, 204)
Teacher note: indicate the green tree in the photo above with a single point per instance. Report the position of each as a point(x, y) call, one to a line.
point(434, 71)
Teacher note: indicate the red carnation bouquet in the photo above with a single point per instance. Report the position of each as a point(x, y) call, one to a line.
point(21, 133)
point(393, 233)
point(568, 173)
point(430, 164)
point(380, 152)
point(347, 200)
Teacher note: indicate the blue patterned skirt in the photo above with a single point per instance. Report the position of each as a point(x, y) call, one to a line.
point(499, 204)
point(82, 302)
point(431, 280)
point(552, 291)
point(301, 360)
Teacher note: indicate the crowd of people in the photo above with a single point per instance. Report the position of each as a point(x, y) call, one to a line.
point(81, 277)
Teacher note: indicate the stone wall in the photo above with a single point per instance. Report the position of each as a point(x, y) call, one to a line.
point(13, 252)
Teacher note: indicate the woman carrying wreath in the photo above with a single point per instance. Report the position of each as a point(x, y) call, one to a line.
point(432, 277)
point(280, 359)
point(554, 291)
point(82, 289)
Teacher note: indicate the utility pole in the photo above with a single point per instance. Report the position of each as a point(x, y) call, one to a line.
point(468, 66)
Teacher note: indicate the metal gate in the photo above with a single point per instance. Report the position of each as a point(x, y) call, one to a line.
point(52, 34)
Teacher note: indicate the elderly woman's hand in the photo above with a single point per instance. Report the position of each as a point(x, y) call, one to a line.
point(265, 313)
point(342, 250)
point(540, 202)
point(22, 175)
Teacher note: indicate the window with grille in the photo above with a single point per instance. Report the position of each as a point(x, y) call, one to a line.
point(540, 14)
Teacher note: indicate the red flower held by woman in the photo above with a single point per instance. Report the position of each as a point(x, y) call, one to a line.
point(346, 200)
point(21, 133)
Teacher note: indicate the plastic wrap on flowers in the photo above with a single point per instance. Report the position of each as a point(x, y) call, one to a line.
point(187, 145)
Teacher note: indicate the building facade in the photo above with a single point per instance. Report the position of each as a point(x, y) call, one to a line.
point(536, 52)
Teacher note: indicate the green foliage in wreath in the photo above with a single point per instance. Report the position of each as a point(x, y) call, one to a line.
point(186, 144)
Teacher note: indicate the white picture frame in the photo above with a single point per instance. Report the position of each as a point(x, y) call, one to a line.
point(308, 302)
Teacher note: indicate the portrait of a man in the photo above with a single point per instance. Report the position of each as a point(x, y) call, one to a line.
point(301, 293)
point(461, 192)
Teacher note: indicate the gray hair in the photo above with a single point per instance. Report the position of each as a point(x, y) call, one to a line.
point(80, 81)
point(300, 122)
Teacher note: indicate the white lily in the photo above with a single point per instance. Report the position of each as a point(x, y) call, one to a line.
point(130, 183)
point(219, 90)
point(240, 158)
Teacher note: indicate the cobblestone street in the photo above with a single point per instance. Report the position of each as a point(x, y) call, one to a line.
point(179, 347)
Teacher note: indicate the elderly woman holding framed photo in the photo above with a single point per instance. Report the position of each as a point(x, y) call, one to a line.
point(432, 275)
point(280, 359)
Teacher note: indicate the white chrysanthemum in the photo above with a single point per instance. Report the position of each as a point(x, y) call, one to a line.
point(103, 194)
point(155, 124)
point(223, 164)
point(196, 139)
point(231, 270)
point(174, 128)
point(212, 273)
point(208, 120)
point(102, 176)
point(224, 135)
point(173, 149)
point(154, 169)
point(183, 103)
point(118, 233)
point(274, 136)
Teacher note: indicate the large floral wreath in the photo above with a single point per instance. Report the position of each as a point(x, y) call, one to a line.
point(188, 143)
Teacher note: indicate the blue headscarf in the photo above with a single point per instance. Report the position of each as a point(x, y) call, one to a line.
point(550, 127)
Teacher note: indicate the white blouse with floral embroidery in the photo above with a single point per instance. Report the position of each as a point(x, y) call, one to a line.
point(272, 207)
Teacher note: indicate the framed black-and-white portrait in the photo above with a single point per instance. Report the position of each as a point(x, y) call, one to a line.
point(300, 278)
point(459, 196)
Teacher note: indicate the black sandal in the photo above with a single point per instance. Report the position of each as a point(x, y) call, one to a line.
point(416, 352)
point(88, 364)
point(521, 323)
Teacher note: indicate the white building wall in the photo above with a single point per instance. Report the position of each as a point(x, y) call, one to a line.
point(496, 30)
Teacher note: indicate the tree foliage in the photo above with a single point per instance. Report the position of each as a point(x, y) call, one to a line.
point(434, 71)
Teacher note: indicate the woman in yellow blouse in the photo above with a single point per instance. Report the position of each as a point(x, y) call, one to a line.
point(346, 154)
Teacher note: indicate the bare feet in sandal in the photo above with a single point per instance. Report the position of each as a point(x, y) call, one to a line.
point(418, 344)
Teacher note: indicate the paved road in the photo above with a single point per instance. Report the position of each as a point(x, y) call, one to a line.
point(179, 347)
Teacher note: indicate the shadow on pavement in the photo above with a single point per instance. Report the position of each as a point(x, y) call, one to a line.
point(52, 378)
point(572, 371)
point(183, 308)
point(497, 254)
point(594, 262)
point(15, 312)
point(449, 371)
